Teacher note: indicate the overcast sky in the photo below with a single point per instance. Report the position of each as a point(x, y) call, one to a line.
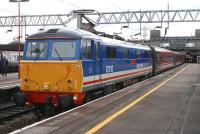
point(64, 6)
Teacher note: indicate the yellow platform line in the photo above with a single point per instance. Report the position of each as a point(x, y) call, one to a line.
point(110, 118)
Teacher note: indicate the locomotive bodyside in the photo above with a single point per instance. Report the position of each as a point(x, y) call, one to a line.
point(113, 62)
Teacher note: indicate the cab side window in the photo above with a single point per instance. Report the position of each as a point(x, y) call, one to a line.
point(146, 54)
point(97, 44)
point(108, 52)
point(86, 49)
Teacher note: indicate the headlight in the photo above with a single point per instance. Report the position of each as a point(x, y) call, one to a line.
point(46, 86)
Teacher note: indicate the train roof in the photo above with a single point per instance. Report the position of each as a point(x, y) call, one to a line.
point(108, 41)
point(159, 49)
point(70, 33)
point(63, 33)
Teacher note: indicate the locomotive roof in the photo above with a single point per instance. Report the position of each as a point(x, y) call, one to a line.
point(62, 33)
point(108, 41)
point(69, 33)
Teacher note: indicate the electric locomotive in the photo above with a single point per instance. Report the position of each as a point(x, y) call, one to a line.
point(61, 67)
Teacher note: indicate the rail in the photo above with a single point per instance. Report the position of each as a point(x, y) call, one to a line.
point(12, 111)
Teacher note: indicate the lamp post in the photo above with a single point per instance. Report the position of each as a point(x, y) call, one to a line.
point(19, 25)
point(157, 27)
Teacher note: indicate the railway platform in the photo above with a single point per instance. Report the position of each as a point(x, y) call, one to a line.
point(9, 81)
point(164, 104)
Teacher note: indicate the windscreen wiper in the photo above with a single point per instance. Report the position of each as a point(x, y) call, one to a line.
point(38, 52)
point(38, 55)
point(57, 53)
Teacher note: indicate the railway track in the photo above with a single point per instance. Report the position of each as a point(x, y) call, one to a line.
point(11, 111)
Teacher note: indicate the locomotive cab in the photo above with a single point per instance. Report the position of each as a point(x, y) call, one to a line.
point(49, 69)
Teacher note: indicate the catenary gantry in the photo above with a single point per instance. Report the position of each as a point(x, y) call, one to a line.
point(97, 18)
point(151, 16)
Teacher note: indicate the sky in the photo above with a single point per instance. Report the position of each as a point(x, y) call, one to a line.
point(38, 7)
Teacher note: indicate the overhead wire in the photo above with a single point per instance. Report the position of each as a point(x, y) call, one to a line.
point(73, 5)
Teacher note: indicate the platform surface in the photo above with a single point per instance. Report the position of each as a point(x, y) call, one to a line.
point(9, 81)
point(171, 107)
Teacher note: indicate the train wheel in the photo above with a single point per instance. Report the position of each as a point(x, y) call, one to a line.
point(150, 75)
point(126, 83)
point(108, 90)
point(48, 107)
point(49, 110)
point(89, 97)
point(114, 88)
point(134, 81)
point(119, 86)
point(20, 99)
point(66, 102)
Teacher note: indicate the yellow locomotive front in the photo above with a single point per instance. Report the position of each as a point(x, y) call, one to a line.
point(51, 72)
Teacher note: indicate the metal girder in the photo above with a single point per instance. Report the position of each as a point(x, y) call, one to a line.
point(177, 43)
point(37, 20)
point(178, 39)
point(151, 16)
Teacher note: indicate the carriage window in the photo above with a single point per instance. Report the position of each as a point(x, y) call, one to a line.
point(86, 49)
point(63, 49)
point(138, 54)
point(110, 52)
point(126, 53)
point(146, 54)
point(114, 52)
point(132, 54)
point(36, 50)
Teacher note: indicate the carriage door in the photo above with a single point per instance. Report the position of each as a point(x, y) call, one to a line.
point(97, 64)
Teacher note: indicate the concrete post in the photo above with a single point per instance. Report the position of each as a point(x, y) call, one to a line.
point(79, 22)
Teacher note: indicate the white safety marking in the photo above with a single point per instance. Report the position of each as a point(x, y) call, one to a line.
point(9, 86)
point(16, 81)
